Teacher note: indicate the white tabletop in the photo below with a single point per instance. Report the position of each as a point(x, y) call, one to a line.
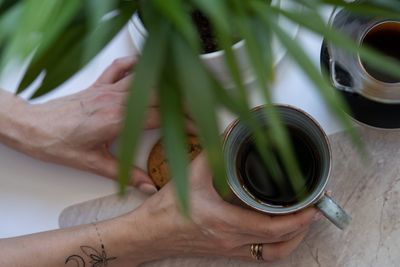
point(33, 193)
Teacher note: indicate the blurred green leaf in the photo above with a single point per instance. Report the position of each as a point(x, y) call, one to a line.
point(6, 5)
point(174, 11)
point(260, 63)
point(58, 21)
point(218, 15)
point(314, 22)
point(174, 137)
point(8, 22)
point(261, 137)
point(225, 39)
point(33, 28)
point(96, 11)
point(70, 61)
point(50, 59)
point(216, 11)
point(201, 100)
point(148, 73)
point(334, 101)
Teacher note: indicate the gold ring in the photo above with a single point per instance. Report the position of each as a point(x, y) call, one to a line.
point(256, 251)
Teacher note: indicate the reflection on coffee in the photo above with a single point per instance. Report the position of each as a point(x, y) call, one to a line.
point(258, 180)
point(385, 38)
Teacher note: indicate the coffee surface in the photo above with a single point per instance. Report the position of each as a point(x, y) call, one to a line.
point(384, 38)
point(258, 179)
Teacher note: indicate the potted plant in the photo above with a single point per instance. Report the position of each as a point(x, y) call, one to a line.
point(65, 35)
point(211, 55)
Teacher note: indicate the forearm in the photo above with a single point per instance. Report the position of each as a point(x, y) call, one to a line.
point(22, 127)
point(110, 243)
point(14, 130)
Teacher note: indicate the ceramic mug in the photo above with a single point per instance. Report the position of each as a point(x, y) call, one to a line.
point(237, 134)
point(347, 71)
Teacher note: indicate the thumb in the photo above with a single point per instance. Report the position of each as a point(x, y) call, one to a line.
point(141, 180)
point(107, 165)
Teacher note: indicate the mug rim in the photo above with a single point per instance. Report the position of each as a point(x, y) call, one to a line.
point(263, 207)
point(361, 41)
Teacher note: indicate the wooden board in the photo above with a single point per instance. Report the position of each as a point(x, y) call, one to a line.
point(368, 189)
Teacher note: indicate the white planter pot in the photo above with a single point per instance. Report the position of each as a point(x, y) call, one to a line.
point(214, 62)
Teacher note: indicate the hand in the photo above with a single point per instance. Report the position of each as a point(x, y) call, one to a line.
point(77, 130)
point(215, 228)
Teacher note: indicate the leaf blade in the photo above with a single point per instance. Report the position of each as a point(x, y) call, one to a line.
point(197, 91)
point(147, 75)
point(175, 138)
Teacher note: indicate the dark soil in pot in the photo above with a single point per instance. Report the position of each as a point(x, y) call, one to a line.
point(205, 30)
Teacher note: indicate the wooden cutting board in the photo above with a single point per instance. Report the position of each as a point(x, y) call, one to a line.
point(368, 190)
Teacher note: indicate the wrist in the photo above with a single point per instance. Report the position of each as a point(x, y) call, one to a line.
point(12, 120)
point(23, 127)
point(139, 239)
point(114, 236)
point(136, 243)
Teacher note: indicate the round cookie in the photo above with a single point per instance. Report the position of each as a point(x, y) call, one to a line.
point(157, 164)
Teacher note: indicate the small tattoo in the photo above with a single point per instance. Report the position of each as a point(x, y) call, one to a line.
point(80, 262)
point(96, 258)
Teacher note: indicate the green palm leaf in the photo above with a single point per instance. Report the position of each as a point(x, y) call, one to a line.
point(172, 118)
point(148, 73)
point(200, 97)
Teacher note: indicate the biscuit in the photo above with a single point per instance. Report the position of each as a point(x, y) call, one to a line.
point(157, 163)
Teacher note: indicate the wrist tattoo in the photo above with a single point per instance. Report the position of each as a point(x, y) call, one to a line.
point(93, 258)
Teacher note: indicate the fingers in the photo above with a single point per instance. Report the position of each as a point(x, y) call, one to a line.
point(124, 85)
point(279, 238)
point(143, 182)
point(272, 251)
point(117, 70)
point(107, 165)
point(277, 251)
point(274, 228)
point(295, 221)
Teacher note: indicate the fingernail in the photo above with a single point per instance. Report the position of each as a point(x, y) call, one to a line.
point(317, 216)
point(147, 189)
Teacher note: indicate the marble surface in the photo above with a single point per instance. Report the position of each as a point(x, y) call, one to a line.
point(367, 188)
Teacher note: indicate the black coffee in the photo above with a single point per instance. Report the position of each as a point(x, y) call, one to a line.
point(263, 186)
point(384, 38)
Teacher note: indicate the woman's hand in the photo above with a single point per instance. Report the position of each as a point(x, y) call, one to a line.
point(77, 130)
point(158, 230)
point(215, 227)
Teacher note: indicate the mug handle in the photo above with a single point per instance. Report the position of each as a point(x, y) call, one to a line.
point(333, 212)
point(337, 84)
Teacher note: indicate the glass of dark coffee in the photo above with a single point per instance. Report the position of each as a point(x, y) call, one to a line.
point(252, 183)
